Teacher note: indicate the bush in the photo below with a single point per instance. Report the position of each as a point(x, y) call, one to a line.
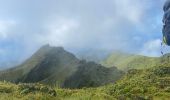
point(28, 88)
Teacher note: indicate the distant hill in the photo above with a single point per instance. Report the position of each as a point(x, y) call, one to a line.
point(54, 65)
point(126, 61)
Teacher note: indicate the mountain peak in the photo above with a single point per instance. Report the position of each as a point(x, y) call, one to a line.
point(48, 46)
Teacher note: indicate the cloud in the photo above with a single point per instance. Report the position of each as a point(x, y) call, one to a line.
point(111, 28)
point(84, 24)
point(58, 32)
point(152, 48)
point(5, 26)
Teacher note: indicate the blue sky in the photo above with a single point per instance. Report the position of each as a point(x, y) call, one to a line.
point(132, 26)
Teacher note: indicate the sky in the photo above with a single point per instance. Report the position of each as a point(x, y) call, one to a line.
point(133, 26)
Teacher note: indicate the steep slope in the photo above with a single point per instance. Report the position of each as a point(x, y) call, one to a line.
point(54, 66)
point(129, 61)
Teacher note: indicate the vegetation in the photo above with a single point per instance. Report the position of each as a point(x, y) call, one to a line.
point(145, 84)
point(9, 91)
point(137, 84)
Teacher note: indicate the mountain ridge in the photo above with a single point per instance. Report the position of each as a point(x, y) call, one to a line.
point(53, 65)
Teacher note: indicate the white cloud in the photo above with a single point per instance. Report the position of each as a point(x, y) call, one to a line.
point(93, 25)
point(5, 26)
point(152, 48)
point(58, 32)
point(132, 10)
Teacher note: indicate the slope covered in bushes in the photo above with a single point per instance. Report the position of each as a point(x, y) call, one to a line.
point(153, 83)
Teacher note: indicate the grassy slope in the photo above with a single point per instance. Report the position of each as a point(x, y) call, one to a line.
point(129, 61)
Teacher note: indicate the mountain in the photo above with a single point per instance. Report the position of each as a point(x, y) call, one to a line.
point(54, 65)
point(126, 61)
point(44, 64)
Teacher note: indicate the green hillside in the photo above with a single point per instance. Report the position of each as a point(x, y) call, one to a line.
point(129, 61)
